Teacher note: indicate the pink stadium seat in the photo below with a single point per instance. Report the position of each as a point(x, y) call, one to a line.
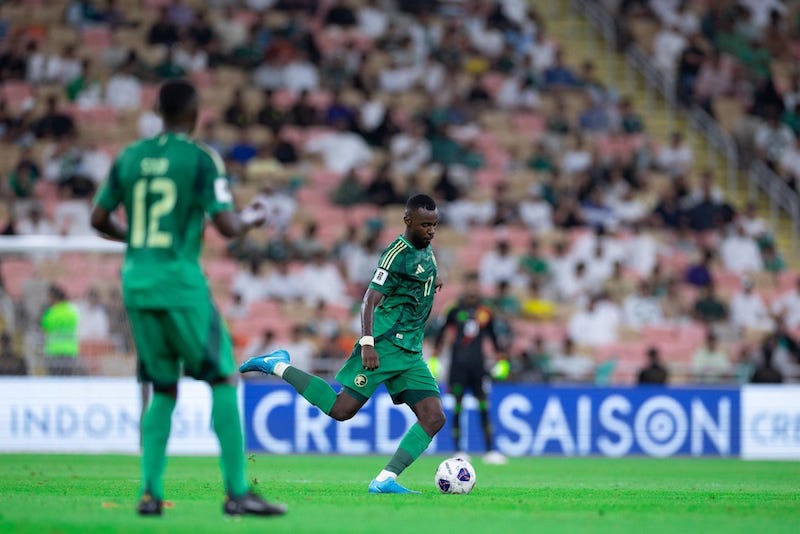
point(149, 96)
point(529, 124)
point(15, 92)
point(284, 99)
point(15, 272)
point(95, 38)
point(203, 79)
point(492, 81)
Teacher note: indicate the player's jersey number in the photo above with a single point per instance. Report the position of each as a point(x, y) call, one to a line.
point(428, 287)
point(145, 230)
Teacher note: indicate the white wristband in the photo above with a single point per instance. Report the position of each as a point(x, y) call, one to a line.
point(367, 340)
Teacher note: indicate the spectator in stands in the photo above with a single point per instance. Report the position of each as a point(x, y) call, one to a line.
point(714, 80)
point(668, 45)
point(33, 63)
point(789, 165)
point(59, 324)
point(654, 373)
point(535, 212)
point(73, 212)
point(533, 262)
point(698, 274)
point(200, 31)
point(86, 90)
point(619, 285)
point(706, 213)
point(787, 307)
point(748, 310)
point(231, 30)
point(300, 74)
point(124, 89)
point(36, 223)
point(250, 282)
point(499, 265)
point(709, 308)
point(243, 149)
point(341, 150)
point(571, 365)
point(189, 56)
point(308, 244)
point(95, 163)
point(266, 342)
point(754, 225)
point(765, 372)
point(740, 253)
point(381, 190)
point(630, 121)
point(710, 362)
point(237, 308)
point(11, 363)
point(149, 124)
point(578, 158)
point(772, 138)
point(163, 31)
point(597, 324)
point(209, 136)
point(321, 280)
point(559, 75)
point(673, 305)
point(270, 115)
point(410, 149)
point(94, 321)
point(281, 283)
point(236, 112)
point(558, 121)
point(667, 212)
point(303, 112)
point(54, 124)
point(537, 303)
point(180, 14)
point(642, 308)
point(676, 158)
point(689, 64)
point(773, 260)
point(594, 118)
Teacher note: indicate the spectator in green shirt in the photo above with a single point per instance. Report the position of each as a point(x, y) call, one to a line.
point(60, 328)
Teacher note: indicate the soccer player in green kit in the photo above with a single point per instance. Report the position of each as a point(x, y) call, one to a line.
point(167, 184)
point(394, 311)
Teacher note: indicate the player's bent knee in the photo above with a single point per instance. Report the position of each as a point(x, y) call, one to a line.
point(342, 413)
point(433, 421)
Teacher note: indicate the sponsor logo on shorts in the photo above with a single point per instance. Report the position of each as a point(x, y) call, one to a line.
point(360, 381)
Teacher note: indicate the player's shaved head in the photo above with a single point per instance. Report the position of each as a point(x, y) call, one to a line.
point(177, 103)
point(420, 201)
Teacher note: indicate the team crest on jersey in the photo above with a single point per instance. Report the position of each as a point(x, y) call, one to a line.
point(360, 381)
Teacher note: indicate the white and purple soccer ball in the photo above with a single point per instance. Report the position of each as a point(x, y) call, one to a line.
point(455, 475)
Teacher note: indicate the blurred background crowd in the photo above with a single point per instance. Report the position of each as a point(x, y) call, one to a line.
point(606, 246)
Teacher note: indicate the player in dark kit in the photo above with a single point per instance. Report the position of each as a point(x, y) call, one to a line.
point(394, 312)
point(167, 184)
point(473, 323)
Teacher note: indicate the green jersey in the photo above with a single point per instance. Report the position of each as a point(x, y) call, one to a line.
point(407, 278)
point(167, 184)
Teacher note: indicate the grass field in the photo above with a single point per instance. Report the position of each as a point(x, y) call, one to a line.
point(60, 493)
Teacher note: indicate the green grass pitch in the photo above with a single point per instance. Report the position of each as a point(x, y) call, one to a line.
point(79, 494)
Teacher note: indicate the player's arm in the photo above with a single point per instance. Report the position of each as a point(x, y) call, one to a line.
point(104, 222)
point(232, 224)
point(109, 196)
point(369, 356)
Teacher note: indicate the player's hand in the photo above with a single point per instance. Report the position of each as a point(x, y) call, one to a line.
point(438, 285)
point(369, 358)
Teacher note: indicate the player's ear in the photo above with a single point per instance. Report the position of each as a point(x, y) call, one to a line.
point(407, 219)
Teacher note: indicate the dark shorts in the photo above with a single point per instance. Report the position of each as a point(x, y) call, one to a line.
point(468, 377)
point(405, 374)
point(193, 341)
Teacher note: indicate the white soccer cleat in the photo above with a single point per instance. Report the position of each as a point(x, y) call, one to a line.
point(495, 458)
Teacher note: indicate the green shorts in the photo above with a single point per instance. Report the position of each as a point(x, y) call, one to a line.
point(405, 374)
point(194, 338)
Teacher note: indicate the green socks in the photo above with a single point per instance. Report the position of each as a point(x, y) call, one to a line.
point(155, 433)
point(314, 389)
point(228, 427)
point(411, 446)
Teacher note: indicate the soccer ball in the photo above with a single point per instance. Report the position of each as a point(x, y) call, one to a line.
point(455, 475)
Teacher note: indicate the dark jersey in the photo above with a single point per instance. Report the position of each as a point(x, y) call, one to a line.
point(473, 324)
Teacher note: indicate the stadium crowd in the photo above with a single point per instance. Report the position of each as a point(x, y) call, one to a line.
point(603, 246)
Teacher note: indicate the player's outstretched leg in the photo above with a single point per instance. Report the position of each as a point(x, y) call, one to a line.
point(312, 388)
point(228, 428)
point(492, 456)
point(430, 419)
point(155, 433)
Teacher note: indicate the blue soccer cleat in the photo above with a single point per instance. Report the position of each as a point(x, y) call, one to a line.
point(389, 485)
point(266, 362)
